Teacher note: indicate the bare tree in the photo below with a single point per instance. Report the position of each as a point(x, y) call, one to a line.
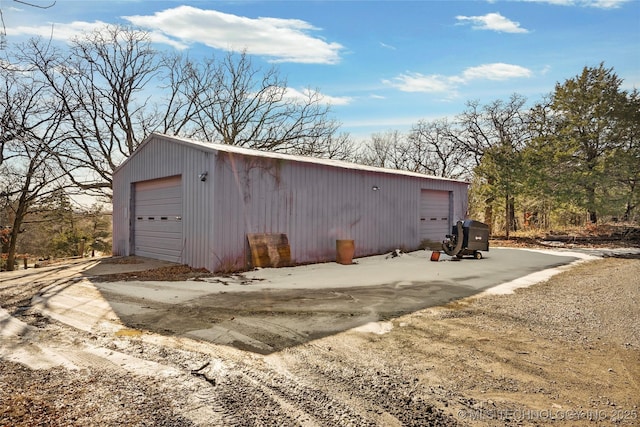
point(100, 84)
point(9, 121)
point(433, 149)
point(239, 104)
point(495, 134)
point(182, 82)
point(114, 90)
point(497, 123)
point(338, 147)
point(31, 131)
point(387, 150)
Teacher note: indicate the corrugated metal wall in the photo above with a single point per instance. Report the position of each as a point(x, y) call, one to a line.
point(316, 204)
point(161, 157)
point(313, 203)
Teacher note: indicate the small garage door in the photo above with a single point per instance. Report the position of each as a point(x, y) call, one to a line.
point(157, 226)
point(435, 223)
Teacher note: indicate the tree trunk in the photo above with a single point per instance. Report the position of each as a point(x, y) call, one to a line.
point(507, 217)
point(13, 236)
point(13, 239)
point(11, 259)
point(512, 214)
point(627, 212)
point(591, 202)
point(488, 213)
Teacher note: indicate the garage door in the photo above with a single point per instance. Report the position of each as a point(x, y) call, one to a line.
point(434, 215)
point(158, 219)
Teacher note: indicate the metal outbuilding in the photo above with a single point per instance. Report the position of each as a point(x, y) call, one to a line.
point(194, 203)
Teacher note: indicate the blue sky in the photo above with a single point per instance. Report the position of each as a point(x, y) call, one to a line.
point(383, 65)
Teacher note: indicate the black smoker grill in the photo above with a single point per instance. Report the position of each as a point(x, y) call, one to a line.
point(467, 238)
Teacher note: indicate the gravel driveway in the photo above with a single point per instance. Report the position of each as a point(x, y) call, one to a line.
point(562, 352)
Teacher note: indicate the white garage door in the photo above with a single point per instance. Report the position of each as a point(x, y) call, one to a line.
point(158, 219)
point(434, 215)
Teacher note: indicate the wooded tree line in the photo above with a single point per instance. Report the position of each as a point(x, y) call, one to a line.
point(56, 230)
point(573, 157)
point(70, 115)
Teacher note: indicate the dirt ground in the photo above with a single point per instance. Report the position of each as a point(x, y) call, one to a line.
point(562, 352)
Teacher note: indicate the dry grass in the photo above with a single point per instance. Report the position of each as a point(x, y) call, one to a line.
point(172, 273)
point(602, 235)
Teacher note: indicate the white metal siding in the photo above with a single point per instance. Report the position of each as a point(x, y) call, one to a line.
point(435, 221)
point(160, 157)
point(316, 204)
point(157, 222)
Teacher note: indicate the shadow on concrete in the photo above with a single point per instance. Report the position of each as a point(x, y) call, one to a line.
point(263, 320)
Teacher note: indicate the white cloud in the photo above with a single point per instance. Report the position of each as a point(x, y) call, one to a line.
point(305, 94)
point(158, 37)
point(497, 71)
point(607, 4)
point(283, 40)
point(56, 31)
point(416, 82)
point(494, 22)
point(336, 100)
point(66, 32)
point(9, 66)
point(601, 4)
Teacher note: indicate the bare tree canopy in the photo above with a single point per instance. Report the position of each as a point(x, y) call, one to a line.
point(99, 82)
point(385, 150)
point(115, 89)
point(435, 150)
point(31, 129)
point(495, 135)
point(338, 147)
point(240, 104)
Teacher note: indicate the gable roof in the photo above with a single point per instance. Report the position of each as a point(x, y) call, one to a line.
point(234, 149)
